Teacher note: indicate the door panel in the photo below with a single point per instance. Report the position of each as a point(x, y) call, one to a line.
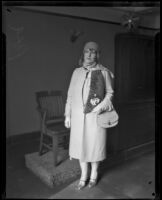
point(134, 89)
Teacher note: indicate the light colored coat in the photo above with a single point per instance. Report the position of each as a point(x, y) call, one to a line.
point(87, 139)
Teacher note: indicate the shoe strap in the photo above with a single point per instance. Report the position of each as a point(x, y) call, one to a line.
point(82, 180)
point(93, 180)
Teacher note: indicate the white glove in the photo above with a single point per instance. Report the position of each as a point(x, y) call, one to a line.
point(100, 107)
point(97, 109)
point(109, 106)
point(67, 122)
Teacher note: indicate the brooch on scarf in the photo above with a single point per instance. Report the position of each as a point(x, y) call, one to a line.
point(94, 101)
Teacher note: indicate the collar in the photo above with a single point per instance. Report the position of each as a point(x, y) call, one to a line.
point(93, 67)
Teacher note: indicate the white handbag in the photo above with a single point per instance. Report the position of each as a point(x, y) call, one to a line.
point(108, 119)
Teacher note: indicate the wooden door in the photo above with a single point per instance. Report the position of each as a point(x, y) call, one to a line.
point(134, 89)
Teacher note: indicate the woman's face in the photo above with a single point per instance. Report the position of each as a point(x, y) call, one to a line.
point(90, 56)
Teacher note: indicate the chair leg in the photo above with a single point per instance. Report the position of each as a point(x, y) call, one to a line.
point(55, 149)
point(41, 144)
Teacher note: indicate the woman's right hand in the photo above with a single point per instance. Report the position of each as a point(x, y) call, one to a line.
point(67, 122)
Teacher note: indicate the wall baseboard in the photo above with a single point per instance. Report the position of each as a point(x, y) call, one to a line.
point(25, 137)
point(127, 154)
point(113, 158)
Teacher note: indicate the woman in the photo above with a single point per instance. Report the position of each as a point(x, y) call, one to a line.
point(87, 139)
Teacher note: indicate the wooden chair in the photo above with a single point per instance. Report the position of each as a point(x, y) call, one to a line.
point(51, 109)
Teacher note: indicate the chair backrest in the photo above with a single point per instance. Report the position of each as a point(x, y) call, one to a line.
point(52, 102)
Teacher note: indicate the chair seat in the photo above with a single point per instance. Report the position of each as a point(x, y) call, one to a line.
point(56, 128)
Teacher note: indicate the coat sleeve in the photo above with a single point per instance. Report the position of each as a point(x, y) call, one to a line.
point(67, 112)
point(109, 90)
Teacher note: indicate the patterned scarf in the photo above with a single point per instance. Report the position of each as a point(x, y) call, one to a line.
point(96, 92)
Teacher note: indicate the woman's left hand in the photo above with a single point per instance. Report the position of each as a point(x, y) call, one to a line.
point(99, 108)
point(109, 106)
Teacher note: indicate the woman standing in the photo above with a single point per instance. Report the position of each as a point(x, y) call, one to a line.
point(90, 92)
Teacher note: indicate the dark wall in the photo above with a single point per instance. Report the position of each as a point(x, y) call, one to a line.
point(41, 56)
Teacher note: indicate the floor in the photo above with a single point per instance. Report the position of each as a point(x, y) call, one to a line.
point(132, 179)
point(20, 182)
